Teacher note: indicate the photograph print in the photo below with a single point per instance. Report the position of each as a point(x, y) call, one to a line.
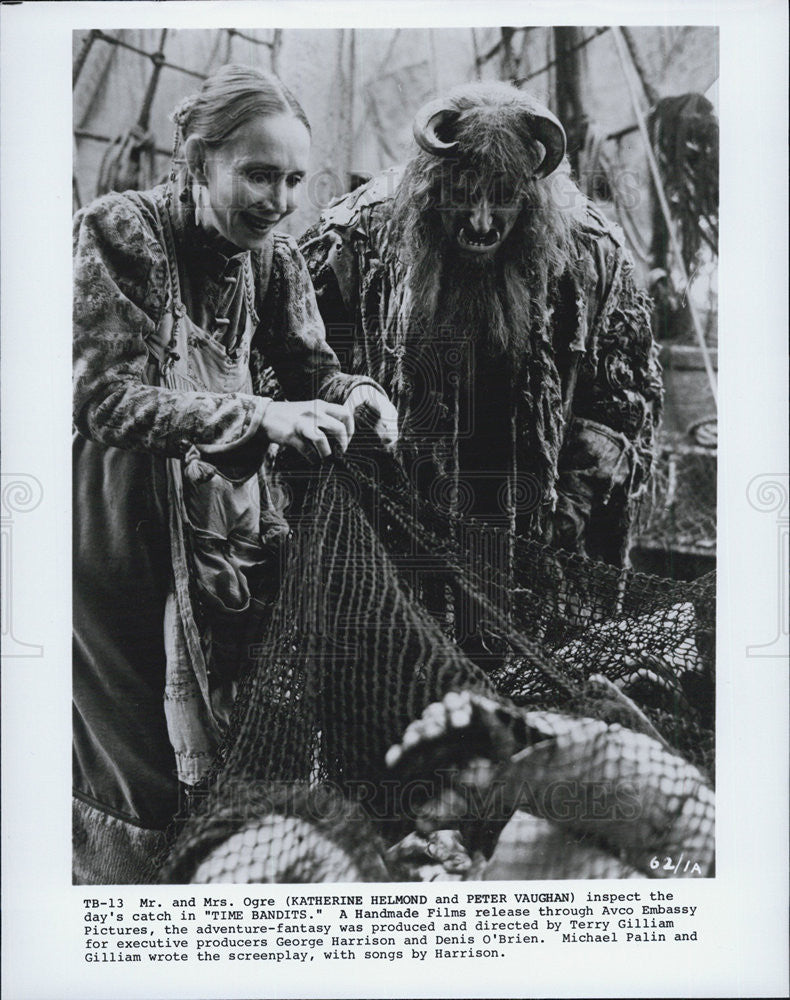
point(394, 454)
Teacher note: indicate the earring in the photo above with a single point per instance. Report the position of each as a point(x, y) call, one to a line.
point(200, 194)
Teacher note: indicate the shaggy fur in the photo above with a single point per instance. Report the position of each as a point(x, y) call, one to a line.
point(502, 304)
point(498, 299)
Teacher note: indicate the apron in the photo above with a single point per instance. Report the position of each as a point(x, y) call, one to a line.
point(215, 530)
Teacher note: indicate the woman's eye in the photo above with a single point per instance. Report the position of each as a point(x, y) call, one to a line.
point(260, 176)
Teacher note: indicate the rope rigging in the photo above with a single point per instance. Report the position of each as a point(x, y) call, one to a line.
point(129, 161)
point(153, 56)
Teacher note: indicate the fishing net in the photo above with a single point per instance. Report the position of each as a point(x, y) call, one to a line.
point(681, 513)
point(375, 739)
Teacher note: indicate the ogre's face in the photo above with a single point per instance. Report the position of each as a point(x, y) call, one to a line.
point(477, 218)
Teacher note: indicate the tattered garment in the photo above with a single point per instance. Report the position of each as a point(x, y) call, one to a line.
point(579, 416)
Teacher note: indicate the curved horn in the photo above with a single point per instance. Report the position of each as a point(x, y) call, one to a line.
point(430, 117)
point(548, 131)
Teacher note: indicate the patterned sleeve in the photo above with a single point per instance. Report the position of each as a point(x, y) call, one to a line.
point(120, 281)
point(608, 452)
point(292, 336)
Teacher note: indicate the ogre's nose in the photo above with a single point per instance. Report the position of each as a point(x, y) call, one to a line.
point(480, 218)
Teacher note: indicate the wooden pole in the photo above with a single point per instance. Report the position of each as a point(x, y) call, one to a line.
point(570, 106)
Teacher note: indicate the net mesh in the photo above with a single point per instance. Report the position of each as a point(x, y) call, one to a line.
point(682, 513)
point(418, 707)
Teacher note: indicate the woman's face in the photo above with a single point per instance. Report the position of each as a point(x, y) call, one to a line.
point(254, 177)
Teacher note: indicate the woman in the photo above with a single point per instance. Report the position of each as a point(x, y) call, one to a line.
point(184, 296)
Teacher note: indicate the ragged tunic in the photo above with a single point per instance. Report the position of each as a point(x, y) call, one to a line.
point(557, 449)
point(247, 313)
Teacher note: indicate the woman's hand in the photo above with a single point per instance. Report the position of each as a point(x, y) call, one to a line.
point(309, 426)
point(386, 426)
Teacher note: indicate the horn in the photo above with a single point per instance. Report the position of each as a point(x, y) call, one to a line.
point(427, 120)
point(548, 131)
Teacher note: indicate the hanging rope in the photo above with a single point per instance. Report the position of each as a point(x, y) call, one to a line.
point(128, 162)
point(662, 199)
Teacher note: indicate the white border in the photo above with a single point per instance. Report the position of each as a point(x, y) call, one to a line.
point(744, 952)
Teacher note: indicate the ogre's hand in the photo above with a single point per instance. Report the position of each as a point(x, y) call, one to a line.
point(386, 426)
point(309, 426)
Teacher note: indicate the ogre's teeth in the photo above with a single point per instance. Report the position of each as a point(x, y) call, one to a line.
point(461, 717)
point(453, 699)
point(411, 737)
point(433, 727)
point(435, 710)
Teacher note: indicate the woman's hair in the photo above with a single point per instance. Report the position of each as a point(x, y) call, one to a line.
point(229, 98)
